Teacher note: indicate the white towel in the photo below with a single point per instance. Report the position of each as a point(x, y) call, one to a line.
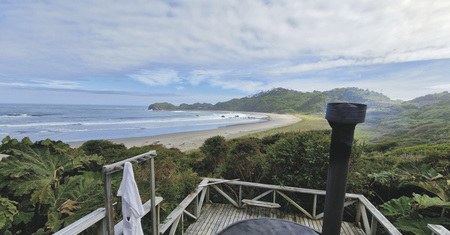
point(132, 208)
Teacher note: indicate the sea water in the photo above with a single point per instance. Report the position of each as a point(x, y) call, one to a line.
point(71, 123)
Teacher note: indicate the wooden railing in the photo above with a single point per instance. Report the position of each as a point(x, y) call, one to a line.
point(370, 216)
point(199, 196)
point(438, 229)
point(192, 205)
point(104, 217)
point(97, 218)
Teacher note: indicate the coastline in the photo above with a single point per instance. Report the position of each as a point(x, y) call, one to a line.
point(185, 141)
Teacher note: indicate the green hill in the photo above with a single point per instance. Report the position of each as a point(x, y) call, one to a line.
point(280, 100)
point(423, 120)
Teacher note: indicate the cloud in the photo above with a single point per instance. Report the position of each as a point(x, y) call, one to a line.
point(103, 36)
point(242, 85)
point(441, 87)
point(162, 77)
point(197, 76)
point(41, 83)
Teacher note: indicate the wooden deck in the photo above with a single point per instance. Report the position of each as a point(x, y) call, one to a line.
point(215, 217)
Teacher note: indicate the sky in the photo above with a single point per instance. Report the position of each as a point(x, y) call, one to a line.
point(141, 52)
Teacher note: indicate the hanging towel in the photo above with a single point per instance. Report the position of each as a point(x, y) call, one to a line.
point(132, 208)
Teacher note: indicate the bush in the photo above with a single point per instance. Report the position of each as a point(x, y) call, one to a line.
point(215, 150)
point(244, 161)
point(110, 151)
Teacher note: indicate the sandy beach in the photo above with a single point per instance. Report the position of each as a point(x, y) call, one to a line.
point(193, 140)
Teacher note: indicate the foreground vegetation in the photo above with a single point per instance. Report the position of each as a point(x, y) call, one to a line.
point(47, 185)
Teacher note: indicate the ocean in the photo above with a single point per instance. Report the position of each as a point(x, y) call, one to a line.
point(70, 123)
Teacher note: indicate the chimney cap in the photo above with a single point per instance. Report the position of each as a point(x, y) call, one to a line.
point(349, 113)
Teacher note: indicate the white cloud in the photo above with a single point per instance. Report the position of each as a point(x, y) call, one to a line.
point(43, 83)
point(441, 86)
point(114, 36)
point(57, 84)
point(162, 77)
point(198, 76)
point(242, 85)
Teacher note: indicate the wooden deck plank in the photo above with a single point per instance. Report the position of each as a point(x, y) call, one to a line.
point(216, 217)
point(200, 221)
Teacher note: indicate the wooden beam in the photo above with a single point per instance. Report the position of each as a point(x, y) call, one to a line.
point(380, 217)
point(155, 224)
point(220, 182)
point(314, 206)
point(202, 200)
point(438, 229)
point(240, 196)
point(196, 211)
point(225, 195)
point(176, 213)
point(190, 215)
point(109, 216)
point(281, 188)
point(109, 169)
point(295, 204)
point(373, 226)
point(262, 195)
point(365, 219)
point(83, 223)
point(173, 229)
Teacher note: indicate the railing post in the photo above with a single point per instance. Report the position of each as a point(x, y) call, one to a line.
point(155, 225)
point(196, 209)
point(314, 206)
point(158, 219)
point(109, 216)
point(240, 196)
point(101, 227)
point(358, 213)
point(373, 226)
point(274, 196)
point(182, 223)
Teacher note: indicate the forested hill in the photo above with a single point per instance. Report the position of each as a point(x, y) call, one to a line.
point(280, 100)
point(421, 120)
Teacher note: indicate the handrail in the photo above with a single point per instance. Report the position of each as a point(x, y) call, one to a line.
point(83, 223)
point(95, 217)
point(280, 188)
point(174, 217)
point(438, 229)
point(364, 203)
point(378, 216)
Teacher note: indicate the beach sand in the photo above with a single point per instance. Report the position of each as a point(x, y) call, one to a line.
point(193, 140)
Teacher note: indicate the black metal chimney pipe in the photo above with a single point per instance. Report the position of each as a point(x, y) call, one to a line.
point(342, 118)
